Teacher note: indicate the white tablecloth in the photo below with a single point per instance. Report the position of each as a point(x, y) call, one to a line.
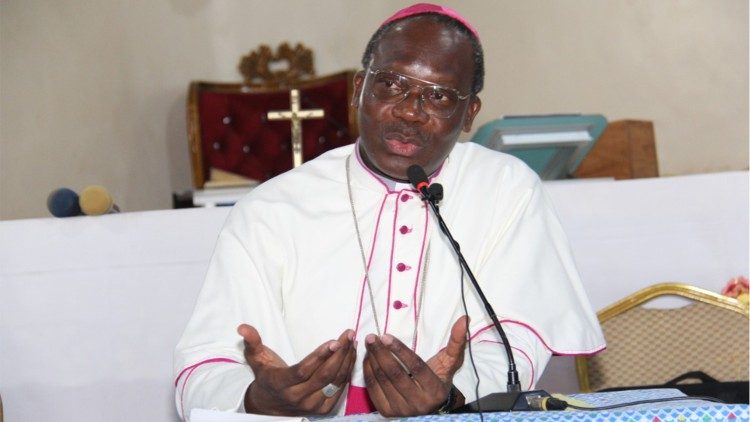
point(91, 307)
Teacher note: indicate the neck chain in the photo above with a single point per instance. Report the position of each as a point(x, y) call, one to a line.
point(367, 272)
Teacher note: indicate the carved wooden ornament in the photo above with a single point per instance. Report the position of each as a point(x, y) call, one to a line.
point(258, 67)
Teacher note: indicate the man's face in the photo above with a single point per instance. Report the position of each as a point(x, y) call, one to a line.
point(395, 135)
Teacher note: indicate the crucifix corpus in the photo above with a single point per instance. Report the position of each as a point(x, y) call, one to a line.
point(296, 116)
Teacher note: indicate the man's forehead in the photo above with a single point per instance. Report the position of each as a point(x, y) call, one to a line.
point(429, 25)
point(417, 42)
point(414, 36)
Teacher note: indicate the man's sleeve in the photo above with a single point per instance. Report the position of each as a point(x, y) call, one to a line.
point(489, 355)
point(241, 287)
point(528, 274)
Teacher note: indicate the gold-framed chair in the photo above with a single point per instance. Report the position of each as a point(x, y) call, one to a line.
point(232, 140)
point(650, 346)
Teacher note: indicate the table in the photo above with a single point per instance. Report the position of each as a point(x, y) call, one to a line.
point(679, 411)
point(92, 307)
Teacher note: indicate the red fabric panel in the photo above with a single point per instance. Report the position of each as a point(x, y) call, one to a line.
point(237, 137)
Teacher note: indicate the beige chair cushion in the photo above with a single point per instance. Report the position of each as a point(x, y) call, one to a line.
point(652, 346)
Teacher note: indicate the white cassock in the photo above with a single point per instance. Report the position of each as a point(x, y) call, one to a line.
point(288, 262)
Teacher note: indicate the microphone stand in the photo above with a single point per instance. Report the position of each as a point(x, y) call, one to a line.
point(514, 399)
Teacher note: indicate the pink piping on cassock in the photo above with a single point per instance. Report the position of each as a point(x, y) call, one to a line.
point(390, 264)
point(212, 360)
point(379, 179)
point(369, 261)
point(358, 401)
point(510, 321)
point(418, 278)
point(367, 169)
point(190, 370)
point(182, 390)
point(531, 364)
point(377, 226)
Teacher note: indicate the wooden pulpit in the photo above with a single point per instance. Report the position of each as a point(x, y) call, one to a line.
point(626, 150)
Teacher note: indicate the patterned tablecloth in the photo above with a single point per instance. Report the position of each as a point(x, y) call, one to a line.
point(671, 411)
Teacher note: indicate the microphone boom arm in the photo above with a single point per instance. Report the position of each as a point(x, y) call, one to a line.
point(514, 384)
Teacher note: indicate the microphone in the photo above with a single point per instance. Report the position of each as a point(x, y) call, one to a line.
point(514, 399)
point(436, 190)
point(96, 200)
point(63, 202)
point(418, 178)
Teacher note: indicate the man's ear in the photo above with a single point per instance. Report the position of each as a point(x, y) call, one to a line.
point(359, 81)
point(474, 105)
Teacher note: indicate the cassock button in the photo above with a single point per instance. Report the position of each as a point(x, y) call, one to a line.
point(399, 304)
point(404, 230)
point(405, 197)
point(401, 267)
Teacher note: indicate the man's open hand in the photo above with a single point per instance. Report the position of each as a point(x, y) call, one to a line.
point(280, 389)
point(400, 383)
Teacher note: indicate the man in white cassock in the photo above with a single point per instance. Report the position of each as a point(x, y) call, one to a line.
point(332, 289)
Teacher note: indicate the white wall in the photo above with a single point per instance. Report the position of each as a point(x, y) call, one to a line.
point(94, 92)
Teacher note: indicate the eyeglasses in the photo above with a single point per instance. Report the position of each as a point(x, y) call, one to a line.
point(391, 87)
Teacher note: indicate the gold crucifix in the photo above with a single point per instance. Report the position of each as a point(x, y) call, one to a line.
point(296, 116)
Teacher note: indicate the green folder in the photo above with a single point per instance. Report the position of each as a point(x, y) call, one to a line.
point(552, 145)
